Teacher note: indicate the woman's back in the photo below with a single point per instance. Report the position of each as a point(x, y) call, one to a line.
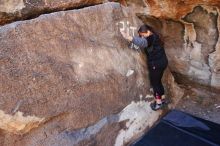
point(155, 51)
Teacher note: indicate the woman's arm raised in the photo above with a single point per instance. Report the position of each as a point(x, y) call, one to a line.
point(140, 42)
point(137, 42)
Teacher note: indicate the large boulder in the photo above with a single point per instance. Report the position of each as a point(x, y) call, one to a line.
point(13, 10)
point(69, 78)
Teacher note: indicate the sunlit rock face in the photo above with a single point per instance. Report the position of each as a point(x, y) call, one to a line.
point(69, 78)
point(177, 9)
point(13, 10)
point(191, 35)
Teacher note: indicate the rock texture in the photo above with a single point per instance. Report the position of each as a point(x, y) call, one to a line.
point(191, 34)
point(13, 10)
point(69, 78)
point(176, 9)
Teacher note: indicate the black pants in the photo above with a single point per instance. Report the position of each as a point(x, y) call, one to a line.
point(155, 75)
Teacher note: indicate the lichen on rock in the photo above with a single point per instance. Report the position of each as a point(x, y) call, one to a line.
point(18, 123)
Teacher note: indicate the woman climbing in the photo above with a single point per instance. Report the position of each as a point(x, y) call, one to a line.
point(151, 42)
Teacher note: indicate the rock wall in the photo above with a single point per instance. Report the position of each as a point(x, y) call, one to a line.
point(69, 78)
point(13, 10)
point(191, 34)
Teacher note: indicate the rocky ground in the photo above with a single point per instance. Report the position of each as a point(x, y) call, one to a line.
point(201, 102)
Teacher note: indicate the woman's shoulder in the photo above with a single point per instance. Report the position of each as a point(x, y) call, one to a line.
point(152, 38)
point(156, 36)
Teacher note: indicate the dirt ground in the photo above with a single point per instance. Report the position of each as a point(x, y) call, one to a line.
point(201, 102)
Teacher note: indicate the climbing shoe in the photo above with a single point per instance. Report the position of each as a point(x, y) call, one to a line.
point(155, 106)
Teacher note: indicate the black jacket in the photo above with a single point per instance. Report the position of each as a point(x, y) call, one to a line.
point(156, 56)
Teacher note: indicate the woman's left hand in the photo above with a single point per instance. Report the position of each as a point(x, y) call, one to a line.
point(126, 35)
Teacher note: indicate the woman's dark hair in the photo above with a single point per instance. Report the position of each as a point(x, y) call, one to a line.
point(145, 28)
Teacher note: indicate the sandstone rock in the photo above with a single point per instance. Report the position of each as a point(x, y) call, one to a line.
point(67, 72)
point(176, 9)
point(13, 10)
